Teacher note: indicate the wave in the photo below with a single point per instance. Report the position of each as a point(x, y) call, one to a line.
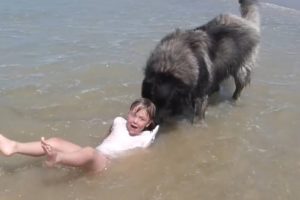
point(281, 8)
point(9, 65)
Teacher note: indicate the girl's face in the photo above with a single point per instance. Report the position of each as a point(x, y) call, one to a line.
point(137, 121)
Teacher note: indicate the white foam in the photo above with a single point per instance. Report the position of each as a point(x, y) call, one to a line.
point(89, 90)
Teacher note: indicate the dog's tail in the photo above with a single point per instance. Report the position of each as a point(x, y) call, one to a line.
point(249, 11)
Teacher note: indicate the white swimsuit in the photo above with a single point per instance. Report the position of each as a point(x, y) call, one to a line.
point(119, 140)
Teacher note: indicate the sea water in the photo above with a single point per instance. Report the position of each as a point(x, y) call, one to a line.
point(67, 68)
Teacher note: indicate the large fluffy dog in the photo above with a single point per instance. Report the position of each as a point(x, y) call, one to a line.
point(188, 65)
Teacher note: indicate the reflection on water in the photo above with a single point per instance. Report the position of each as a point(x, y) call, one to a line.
point(68, 68)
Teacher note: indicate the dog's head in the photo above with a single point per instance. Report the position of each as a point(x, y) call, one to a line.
point(170, 95)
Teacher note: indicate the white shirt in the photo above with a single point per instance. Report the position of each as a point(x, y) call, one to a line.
point(119, 140)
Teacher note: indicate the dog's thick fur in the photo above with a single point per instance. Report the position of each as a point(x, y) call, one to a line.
point(188, 65)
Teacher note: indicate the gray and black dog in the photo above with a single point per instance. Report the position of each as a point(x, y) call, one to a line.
point(188, 65)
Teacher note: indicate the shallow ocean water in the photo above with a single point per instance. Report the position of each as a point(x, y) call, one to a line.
point(69, 67)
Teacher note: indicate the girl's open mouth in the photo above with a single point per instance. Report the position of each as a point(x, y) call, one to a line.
point(133, 126)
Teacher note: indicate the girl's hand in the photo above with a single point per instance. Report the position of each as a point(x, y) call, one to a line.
point(155, 130)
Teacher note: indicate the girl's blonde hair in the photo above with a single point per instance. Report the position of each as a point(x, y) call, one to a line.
point(143, 103)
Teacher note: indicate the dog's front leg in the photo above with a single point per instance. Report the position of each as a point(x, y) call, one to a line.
point(200, 108)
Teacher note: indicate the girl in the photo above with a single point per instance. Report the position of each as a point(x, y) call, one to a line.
point(135, 132)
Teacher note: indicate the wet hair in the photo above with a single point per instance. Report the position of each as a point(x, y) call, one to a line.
point(148, 105)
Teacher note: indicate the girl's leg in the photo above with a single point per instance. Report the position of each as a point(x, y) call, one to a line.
point(9, 147)
point(87, 157)
point(61, 145)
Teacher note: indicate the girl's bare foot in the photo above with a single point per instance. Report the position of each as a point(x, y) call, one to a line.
point(7, 146)
point(50, 152)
